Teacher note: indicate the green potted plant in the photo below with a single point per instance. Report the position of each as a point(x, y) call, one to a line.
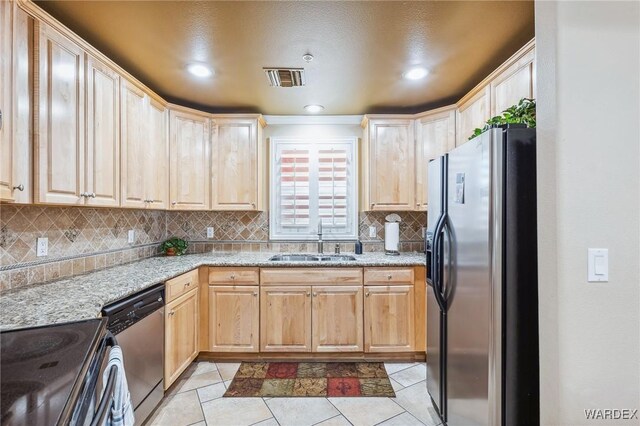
point(524, 112)
point(174, 247)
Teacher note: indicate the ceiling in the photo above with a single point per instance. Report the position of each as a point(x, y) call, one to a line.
point(360, 49)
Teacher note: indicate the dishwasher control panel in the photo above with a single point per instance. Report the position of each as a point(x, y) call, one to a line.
point(126, 312)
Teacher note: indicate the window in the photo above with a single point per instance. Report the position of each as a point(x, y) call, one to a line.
point(313, 181)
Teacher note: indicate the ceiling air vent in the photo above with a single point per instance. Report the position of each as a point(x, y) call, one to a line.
point(285, 77)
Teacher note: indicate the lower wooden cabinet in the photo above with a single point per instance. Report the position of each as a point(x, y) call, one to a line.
point(285, 319)
point(180, 335)
point(234, 318)
point(389, 318)
point(337, 319)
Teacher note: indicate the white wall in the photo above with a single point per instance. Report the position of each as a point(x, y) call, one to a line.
point(588, 76)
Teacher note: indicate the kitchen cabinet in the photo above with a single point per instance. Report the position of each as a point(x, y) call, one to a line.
point(237, 163)
point(157, 156)
point(16, 66)
point(234, 318)
point(516, 80)
point(337, 319)
point(388, 318)
point(189, 155)
point(473, 111)
point(285, 319)
point(103, 134)
point(59, 138)
point(145, 149)
point(388, 164)
point(435, 136)
point(181, 325)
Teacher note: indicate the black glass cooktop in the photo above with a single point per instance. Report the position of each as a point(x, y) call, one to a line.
point(40, 368)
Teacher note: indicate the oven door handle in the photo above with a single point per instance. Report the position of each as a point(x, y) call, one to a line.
point(107, 398)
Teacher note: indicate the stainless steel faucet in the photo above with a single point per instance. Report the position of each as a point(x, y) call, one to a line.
point(320, 244)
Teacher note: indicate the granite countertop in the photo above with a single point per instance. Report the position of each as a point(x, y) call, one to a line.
point(83, 296)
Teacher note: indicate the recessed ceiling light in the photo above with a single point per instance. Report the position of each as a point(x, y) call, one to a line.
point(308, 57)
point(313, 108)
point(416, 73)
point(199, 70)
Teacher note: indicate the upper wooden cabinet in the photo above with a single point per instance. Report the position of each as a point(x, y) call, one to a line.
point(190, 150)
point(60, 119)
point(6, 101)
point(515, 80)
point(388, 164)
point(145, 149)
point(435, 136)
point(103, 134)
point(237, 164)
point(473, 110)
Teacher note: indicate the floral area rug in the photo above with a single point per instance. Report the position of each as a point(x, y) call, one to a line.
point(302, 379)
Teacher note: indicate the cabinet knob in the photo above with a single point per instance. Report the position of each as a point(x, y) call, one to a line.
point(367, 294)
point(19, 187)
point(389, 276)
point(373, 204)
point(418, 204)
point(92, 195)
point(253, 205)
point(172, 313)
point(187, 284)
point(255, 293)
point(308, 293)
point(233, 276)
point(315, 294)
point(84, 194)
point(173, 203)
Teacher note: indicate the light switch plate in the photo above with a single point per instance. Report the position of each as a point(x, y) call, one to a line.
point(210, 232)
point(372, 232)
point(598, 265)
point(42, 246)
point(131, 236)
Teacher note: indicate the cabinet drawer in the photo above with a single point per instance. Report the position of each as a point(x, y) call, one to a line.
point(180, 285)
point(385, 276)
point(233, 276)
point(313, 276)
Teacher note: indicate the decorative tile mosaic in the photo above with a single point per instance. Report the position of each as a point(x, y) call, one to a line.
point(84, 239)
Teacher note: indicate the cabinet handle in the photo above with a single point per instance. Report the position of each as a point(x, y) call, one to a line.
point(173, 203)
point(19, 187)
point(84, 194)
point(187, 284)
point(233, 276)
point(255, 293)
point(389, 276)
point(172, 313)
point(92, 195)
point(367, 294)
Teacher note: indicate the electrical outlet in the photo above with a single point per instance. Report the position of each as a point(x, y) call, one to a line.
point(131, 236)
point(372, 232)
point(210, 232)
point(42, 246)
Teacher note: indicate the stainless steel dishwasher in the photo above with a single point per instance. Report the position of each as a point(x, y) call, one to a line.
point(138, 323)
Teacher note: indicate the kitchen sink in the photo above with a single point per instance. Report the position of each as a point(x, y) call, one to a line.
point(337, 257)
point(294, 258)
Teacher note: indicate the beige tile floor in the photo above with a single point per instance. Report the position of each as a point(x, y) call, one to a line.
point(196, 399)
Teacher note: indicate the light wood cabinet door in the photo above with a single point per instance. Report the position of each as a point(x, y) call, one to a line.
point(389, 318)
point(6, 101)
point(157, 157)
point(234, 318)
point(514, 83)
point(103, 134)
point(133, 120)
point(471, 114)
point(285, 319)
point(337, 319)
point(392, 165)
point(181, 335)
point(235, 165)
point(59, 137)
point(436, 135)
point(189, 158)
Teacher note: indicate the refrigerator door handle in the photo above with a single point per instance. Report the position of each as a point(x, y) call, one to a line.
point(446, 288)
point(435, 262)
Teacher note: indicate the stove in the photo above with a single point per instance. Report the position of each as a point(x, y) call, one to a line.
point(43, 371)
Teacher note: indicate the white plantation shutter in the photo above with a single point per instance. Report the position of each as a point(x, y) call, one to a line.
point(313, 181)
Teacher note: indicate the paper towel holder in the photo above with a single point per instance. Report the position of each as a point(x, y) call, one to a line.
point(392, 235)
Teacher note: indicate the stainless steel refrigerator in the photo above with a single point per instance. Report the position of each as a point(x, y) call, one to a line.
point(482, 301)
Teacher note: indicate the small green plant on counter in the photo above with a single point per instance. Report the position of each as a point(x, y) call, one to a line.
point(524, 112)
point(174, 247)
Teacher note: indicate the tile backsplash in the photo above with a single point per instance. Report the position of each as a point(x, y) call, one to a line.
point(84, 239)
